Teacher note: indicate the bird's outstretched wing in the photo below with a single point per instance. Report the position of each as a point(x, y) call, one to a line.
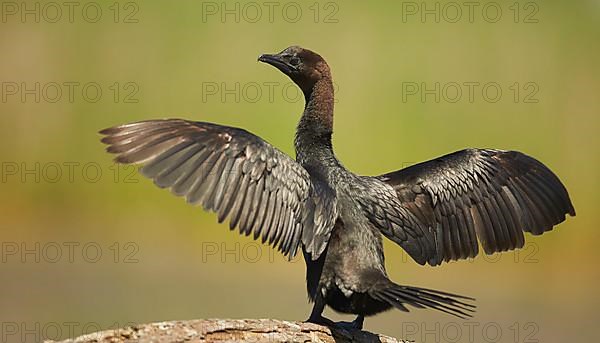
point(233, 173)
point(472, 195)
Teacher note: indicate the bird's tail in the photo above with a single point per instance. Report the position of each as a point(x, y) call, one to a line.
point(399, 296)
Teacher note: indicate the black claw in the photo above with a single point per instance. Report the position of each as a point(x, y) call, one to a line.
point(357, 324)
point(320, 320)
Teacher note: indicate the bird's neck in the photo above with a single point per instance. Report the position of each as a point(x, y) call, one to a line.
point(313, 135)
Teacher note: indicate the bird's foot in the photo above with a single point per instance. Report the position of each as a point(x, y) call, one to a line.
point(356, 324)
point(348, 326)
point(345, 327)
point(335, 328)
point(320, 320)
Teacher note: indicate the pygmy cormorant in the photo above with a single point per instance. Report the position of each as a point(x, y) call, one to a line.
point(439, 210)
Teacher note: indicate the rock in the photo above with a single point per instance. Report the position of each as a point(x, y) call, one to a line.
point(230, 330)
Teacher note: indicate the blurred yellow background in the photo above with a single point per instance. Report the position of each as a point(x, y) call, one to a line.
point(87, 245)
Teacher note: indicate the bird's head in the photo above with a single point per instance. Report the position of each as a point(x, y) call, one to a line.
point(301, 65)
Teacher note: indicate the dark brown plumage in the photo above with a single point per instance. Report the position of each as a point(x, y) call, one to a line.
point(480, 194)
point(439, 210)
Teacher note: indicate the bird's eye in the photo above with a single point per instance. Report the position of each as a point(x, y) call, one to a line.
point(294, 61)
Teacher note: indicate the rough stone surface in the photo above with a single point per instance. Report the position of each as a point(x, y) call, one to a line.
point(230, 330)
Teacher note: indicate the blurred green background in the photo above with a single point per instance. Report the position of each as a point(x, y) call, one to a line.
point(63, 201)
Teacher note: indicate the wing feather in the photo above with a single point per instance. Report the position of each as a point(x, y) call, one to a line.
point(231, 172)
point(491, 196)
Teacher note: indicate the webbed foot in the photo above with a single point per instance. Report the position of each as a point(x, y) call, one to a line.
point(320, 320)
point(356, 324)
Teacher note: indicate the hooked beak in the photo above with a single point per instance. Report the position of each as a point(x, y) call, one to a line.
point(278, 62)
